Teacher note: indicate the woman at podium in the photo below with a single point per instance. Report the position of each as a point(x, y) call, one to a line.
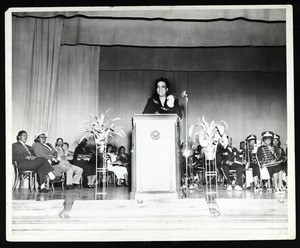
point(161, 102)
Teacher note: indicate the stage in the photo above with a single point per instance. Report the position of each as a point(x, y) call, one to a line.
point(74, 215)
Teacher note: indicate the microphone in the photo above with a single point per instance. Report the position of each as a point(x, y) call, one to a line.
point(183, 93)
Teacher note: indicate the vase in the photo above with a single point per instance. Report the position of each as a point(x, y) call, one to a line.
point(210, 152)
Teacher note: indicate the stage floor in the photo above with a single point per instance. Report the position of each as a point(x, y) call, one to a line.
point(122, 193)
point(74, 215)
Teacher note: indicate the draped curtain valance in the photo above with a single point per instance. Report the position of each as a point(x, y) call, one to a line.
point(171, 27)
point(160, 33)
point(168, 12)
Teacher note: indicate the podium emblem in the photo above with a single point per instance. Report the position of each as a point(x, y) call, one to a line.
point(155, 135)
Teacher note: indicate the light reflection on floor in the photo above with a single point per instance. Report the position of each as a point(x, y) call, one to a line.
point(123, 193)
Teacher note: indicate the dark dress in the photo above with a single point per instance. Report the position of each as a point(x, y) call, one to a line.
point(88, 167)
point(154, 105)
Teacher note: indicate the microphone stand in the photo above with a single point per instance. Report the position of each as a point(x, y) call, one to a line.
point(186, 145)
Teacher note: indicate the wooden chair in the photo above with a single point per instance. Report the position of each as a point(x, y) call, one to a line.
point(22, 175)
point(62, 181)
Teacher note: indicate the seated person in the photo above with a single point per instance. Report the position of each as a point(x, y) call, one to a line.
point(116, 166)
point(23, 155)
point(267, 158)
point(231, 161)
point(84, 158)
point(281, 158)
point(46, 150)
point(124, 158)
point(73, 172)
point(252, 161)
point(161, 102)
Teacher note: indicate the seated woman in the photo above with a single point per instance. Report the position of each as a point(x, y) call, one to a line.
point(161, 102)
point(116, 166)
point(46, 150)
point(281, 158)
point(83, 158)
point(124, 158)
point(267, 158)
point(252, 161)
point(23, 155)
point(73, 172)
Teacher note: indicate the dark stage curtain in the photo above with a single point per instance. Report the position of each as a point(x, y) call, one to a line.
point(249, 102)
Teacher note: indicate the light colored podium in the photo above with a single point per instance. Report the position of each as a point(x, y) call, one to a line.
point(155, 157)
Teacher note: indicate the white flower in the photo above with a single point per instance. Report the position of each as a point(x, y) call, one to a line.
point(170, 101)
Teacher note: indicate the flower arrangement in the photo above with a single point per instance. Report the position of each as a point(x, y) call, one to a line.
point(209, 135)
point(99, 128)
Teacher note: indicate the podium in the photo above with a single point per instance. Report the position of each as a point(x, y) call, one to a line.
point(155, 157)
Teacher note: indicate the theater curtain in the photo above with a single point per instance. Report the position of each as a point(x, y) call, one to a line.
point(169, 13)
point(77, 91)
point(160, 33)
point(35, 56)
point(249, 102)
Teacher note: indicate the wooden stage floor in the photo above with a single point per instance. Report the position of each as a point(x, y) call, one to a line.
point(74, 215)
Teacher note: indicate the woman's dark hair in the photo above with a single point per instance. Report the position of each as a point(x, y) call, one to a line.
point(162, 80)
point(65, 143)
point(121, 148)
point(83, 142)
point(58, 140)
point(19, 134)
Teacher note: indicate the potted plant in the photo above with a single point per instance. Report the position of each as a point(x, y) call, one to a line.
point(209, 136)
point(99, 129)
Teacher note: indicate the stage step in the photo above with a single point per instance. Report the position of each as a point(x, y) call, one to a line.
point(153, 220)
point(28, 208)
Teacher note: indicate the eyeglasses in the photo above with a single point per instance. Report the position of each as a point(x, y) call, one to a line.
point(42, 137)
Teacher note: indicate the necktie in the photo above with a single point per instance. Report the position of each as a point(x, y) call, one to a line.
point(27, 149)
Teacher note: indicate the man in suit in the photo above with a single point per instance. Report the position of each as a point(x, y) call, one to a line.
point(231, 160)
point(24, 156)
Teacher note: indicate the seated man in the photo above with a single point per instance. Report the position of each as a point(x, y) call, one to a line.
point(231, 161)
point(46, 150)
point(23, 155)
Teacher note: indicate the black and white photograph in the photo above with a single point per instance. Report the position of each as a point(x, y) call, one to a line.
point(150, 123)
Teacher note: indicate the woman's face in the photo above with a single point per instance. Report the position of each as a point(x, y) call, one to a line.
point(42, 138)
point(23, 137)
point(161, 88)
point(275, 142)
point(122, 150)
point(59, 142)
point(65, 147)
point(268, 141)
point(251, 143)
point(109, 148)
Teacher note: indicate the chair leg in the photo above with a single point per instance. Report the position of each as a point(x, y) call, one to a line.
point(30, 182)
point(21, 181)
point(16, 182)
point(35, 183)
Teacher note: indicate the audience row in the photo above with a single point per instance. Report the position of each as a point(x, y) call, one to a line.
point(50, 162)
